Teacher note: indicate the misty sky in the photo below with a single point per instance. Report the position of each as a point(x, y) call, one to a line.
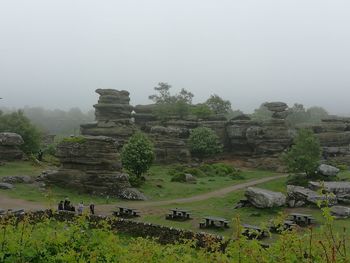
point(56, 53)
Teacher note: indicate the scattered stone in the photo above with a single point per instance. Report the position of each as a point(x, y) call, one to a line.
point(190, 179)
point(262, 198)
point(327, 170)
point(132, 194)
point(340, 211)
point(6, 186)
point(305, 195)
point(18, 179)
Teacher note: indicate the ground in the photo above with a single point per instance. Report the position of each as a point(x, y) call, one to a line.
point(210, 196)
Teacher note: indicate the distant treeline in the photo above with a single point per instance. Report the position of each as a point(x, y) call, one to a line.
point(56, 122)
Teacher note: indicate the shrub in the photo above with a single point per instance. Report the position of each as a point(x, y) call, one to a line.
point(18, 123)
point(201, 111)
point(74, 139)
point(203, 142)
point(304, 155)
point(137, 155)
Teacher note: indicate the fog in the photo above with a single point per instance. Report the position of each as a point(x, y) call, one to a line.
point(54, 54)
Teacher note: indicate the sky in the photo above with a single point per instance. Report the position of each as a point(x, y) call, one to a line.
point(55, 53)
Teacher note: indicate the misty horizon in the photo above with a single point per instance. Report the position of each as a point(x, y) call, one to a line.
point(56, 54)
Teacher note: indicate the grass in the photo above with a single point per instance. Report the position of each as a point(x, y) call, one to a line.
point(20, 168)
point(158, 185)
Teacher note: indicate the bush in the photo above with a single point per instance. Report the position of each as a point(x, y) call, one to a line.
point(179, 177)
point(18, 123)
point(201, 111)
point(304, 155)
point(203, 142)
point(137, 155)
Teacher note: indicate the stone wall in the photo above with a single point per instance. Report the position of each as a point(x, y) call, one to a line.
point(163, 234)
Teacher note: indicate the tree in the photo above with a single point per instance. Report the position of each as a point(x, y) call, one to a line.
point(261, 114)
point(297, 115)
point(201, 111)
point(218, 105)
point(18, 123)
point(138, 154)
point(168, 105)
point(316, 114)
point(203, 142)
point(305, 154)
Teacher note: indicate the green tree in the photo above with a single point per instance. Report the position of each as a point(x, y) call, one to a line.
point(305, 154)
point(18, 123)
point(218, 105)
point(261, 114)
point(203, 142)
point(167, 105)
point(137, 154)
point(201, 111)
point(316, 114)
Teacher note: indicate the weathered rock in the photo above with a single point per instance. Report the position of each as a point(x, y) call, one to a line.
point(132, 194)
point(6, 186)
point(340, 211)
point(276, 106)
point(340, 189)
point(327, 170)
point(18, 179)
point(262, 198)
point(10, 139)
point(9, 146)
point(190, 179)
point(299, 193)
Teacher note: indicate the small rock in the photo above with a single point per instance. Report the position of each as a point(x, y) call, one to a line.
point(327, 170)
point(190, 179)
point(6, 186)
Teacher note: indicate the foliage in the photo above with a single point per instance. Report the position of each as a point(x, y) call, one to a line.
point(201, 111)
point(18, 123)
point(138, 154)
point(76, 241)
point(261, 114)
point(74, 139)
point(305, 154)
point(203, 142)
point(167, 105)
point(218, 105)
point(221, 169)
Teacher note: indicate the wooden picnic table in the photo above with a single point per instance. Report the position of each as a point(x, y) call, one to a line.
point(126, 212)
point(252, 231)
point(211, 221)
point(176, 213)
point(302, 219)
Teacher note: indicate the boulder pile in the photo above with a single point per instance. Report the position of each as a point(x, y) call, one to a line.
point(9, 146)
point(298, 196)
point(91, 164)
point(340, 189)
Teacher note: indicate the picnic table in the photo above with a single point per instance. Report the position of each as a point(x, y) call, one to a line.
point(302, 219)
point(252, 231)
point(216, 222)
point(178, 214)
point(126, 212)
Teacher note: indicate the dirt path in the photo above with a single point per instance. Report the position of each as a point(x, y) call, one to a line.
point(8, 202)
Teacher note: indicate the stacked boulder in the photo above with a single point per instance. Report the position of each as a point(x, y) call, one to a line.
point(113, 116)
point(91, 164)
point(9, 146)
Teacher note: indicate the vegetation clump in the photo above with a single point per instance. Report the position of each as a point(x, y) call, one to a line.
point(203, 142)
point(304, 155)
point(75, 139)
point(18, 123)
point(137, 156)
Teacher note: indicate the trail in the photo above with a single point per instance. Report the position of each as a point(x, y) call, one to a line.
point(8, 202)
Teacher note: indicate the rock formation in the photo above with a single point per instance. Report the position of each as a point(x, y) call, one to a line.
point(9, 146)
point(298, 193)
point(262, 198)
point(340, 189)
point(340, 211)
point(90, 164)
point(328, 170)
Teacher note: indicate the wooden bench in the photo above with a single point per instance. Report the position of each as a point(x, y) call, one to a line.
point(178, 214)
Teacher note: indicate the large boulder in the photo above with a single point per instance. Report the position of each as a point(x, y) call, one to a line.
point(327, 170)
point(340, 211)
point(262, 198)
point(340, 189)
point(299, 193)
point(10, 139)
